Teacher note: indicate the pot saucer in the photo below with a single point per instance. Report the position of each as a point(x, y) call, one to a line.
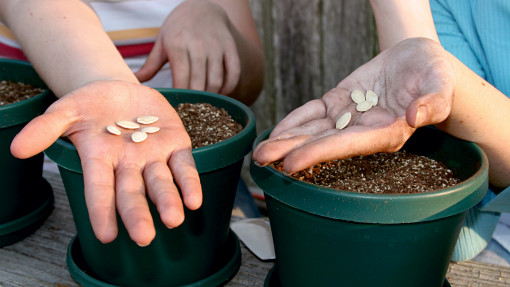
point(272, 279)
point(80, 274)
point(22, 227)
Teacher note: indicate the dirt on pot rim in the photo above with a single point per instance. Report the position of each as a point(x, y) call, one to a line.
point(13, 92)
point(207, 124)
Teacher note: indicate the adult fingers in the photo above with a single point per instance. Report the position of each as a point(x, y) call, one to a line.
point(427, 110)
point(275, 149)
point(357, 140)
point(309, 111)
point(164, 193)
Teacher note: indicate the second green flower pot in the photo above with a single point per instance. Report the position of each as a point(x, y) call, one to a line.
point(26, 198)
point(327, 237)
point(201, 252)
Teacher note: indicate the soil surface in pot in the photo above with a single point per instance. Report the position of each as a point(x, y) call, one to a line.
point(207, 124)
point(13, 92)
point(382, 173)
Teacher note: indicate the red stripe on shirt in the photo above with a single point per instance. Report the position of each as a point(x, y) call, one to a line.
point(127, 51)
point(135, 50)
point(7, 51)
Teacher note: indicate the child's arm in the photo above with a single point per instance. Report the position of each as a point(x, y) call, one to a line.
point(65, 42)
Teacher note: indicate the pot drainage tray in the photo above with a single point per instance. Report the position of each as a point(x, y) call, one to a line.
point(272, 279)
point(22, 227)
point(80, 274)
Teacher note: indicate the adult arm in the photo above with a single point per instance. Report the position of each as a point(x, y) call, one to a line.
point(418, 84)
point(398, 20)
point(479, 109)
point(481, 113)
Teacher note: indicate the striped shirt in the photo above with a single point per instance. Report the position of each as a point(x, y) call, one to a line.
point(133, 26)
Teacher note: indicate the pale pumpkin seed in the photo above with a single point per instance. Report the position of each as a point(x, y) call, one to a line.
point(358, 96)
point(128, 125)
point(364, 106)
point(372, 97)
point(343, 121)
point(147, 120)
point(113, 130)
point(150, 130)
point(138, 136)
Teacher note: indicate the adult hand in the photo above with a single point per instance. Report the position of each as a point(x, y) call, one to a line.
point(199, 41)
point(118, 173)
point(415, 84)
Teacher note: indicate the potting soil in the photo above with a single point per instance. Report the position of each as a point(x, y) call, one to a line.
point(384, 173)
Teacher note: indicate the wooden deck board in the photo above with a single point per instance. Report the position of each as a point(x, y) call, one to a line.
point(39, 260)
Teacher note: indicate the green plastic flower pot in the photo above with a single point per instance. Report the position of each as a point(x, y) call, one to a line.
point(26, 199)
point(203, 251)
point(326, 237)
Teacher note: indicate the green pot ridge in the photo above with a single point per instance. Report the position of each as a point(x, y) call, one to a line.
point(23, 111)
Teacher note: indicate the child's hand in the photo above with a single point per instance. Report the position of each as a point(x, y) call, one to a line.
point(414, 82)
point(199, 41)
point(119, 173)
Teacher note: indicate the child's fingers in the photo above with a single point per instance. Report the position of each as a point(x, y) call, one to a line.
point(39, 134)
point(153, 64)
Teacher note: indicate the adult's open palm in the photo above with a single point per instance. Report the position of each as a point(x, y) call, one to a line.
point(414, 82)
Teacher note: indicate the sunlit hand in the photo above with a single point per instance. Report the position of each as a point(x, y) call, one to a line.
point(199, 41)
point(118, 173)
point(414, 82)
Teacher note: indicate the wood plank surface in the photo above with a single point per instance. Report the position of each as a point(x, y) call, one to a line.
point(309, 47)
point(39, 260)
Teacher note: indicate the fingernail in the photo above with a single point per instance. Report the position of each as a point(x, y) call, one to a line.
point(141, 245)
point(421, 116)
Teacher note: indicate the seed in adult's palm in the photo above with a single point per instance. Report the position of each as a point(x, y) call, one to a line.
point(357, 96)
point(364, 106)
point(343, 121)
point(372, 97)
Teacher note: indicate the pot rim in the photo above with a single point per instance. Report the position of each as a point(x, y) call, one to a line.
point(374, 208)
point(23, 111)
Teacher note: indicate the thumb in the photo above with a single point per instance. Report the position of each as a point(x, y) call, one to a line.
point(153, 63)
point(39, 134)
point(427, 110)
